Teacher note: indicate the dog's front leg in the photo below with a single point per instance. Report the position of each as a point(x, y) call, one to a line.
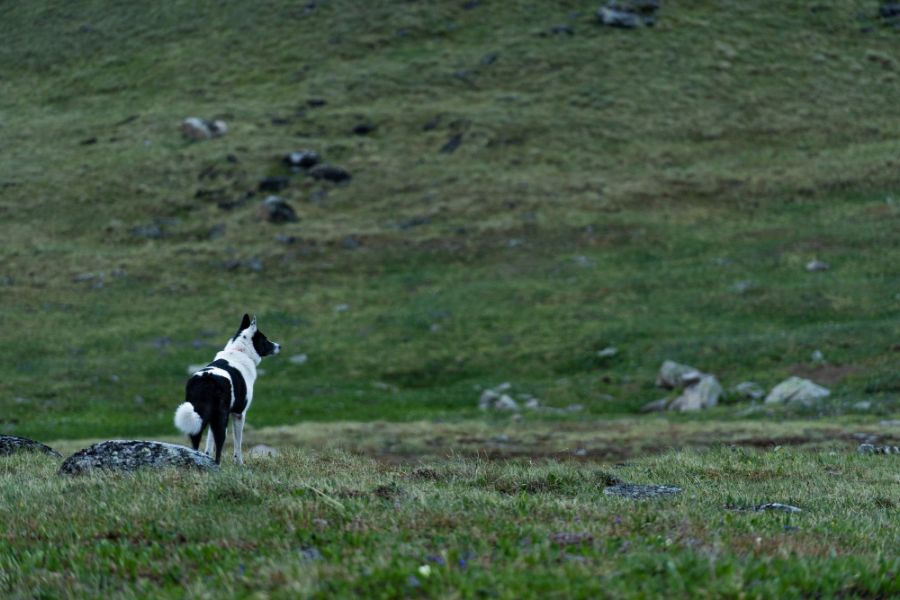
point(238, 435)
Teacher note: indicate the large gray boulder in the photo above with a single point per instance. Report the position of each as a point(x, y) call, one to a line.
point(122, 455)
point(703, 394)
point(11, 444)
point(796, 390)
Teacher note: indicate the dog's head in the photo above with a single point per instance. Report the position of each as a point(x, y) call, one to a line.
point(251, 333)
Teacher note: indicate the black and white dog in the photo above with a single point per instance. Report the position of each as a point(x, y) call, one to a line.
point(223, 387)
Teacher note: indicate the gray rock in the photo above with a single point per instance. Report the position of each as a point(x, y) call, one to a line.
point(748, 390)
point(11, 444)
point(817, 356)
point(612, 17)
point(873, 449)
point(532, 404)
point(641, 492)
point(329, 173)
point(130, 455)
point(195, 128)
point(298, 359)
point(777, 506)
point(302, 159)
point(796, 390)
point(487, 399)
point(703, 394)
point(573, 408)
point(506, 403)
point(743, 286)
point(671, 374)
point(274, 183)
point(862, 406)
point(608, 352)
point(817, 265)
point(656, 405)
point(262, 451)
point(275, 210)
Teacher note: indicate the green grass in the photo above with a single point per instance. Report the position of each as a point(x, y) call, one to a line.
point(310, 524)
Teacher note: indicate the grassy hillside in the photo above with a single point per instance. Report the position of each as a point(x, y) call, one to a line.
point(659, 190)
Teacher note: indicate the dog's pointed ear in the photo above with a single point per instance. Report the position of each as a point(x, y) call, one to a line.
point(253, 323)
point(245, 322)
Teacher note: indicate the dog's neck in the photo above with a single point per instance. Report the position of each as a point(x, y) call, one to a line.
point(241, 348)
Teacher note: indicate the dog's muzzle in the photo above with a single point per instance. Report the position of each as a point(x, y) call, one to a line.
point(277, 349)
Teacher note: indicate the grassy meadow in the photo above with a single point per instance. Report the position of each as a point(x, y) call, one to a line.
point(657, 190)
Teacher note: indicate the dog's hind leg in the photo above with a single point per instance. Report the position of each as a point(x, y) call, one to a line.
point(238, 437)
point(218, 425)
point(195, 440)
point(209, 442)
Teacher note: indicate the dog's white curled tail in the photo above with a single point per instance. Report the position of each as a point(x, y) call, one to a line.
point(187, 419)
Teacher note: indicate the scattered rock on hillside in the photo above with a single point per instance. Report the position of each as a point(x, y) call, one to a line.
point(363, 129)
point(274, 184)
point(704, 393)
point(302, 159)
point(330, 173)
point(298, 359)
point(817, 265)
point(506, 403)
point(873, 449)
point(194, 128)
point(641, 492)
point(262, 451)
point(122, 455)
point(796, 390)
point(275, 210)
point(11, 444)
point(674, 375)
point(889, 10)
point(777, 506)
point(748, 390)
point(629, 14)
point(656, 405)
point(607, 352)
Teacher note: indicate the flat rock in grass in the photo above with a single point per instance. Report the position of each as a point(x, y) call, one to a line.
point(641, 492)
point(613, 17)
point(777, 506)
point(262, 451)
point(656, 405)
point(704, 393)
point(873, 449)
point(131, 455)
point(796, 390)
point(11, 444)
point(329, 173)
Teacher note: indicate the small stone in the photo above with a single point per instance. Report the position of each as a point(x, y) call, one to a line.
point(262, 451)
point(655, 406)
point(339, 308)
point(12, 444)
point(580, 452)
point(506, 403)
point(862, 406)
point(641, 492)
point(532, 404)
point(748, 390)
point(817, 265)
point(329, 173)
point(743, 286)
point(777, 506)
point(275, 210)
point(194, 128)
point(670, 374)
point(298, 359)
point(487, 399)
point(503, 387)
point(302, 159)
point(363, 129)
point(817, 356)
point(796, 390)
point(703, 394)
point(274, 183)
point(310, 554)
point(608, 352)
point(573, 408)
point(613, 17)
